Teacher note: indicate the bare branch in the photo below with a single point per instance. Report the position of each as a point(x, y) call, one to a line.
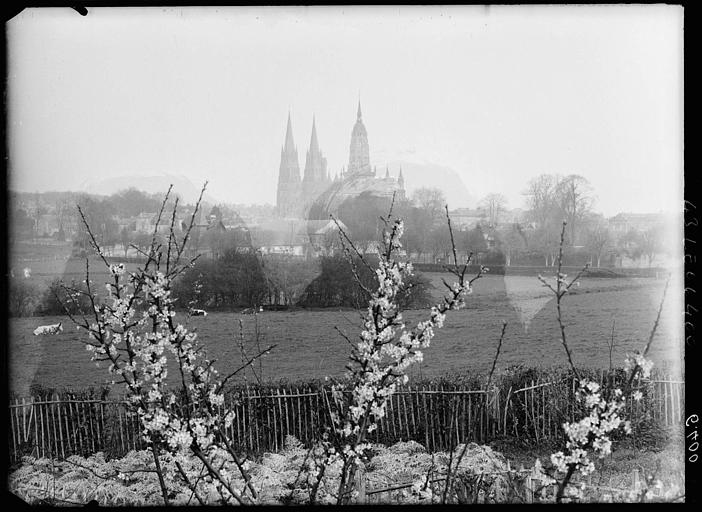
point(350, 243)
point(186, 236)
point(171, 236)
point(158, 219)
point(559, 295)
point(497, 355)
point(453, 243)
point(93, 241)
point(636, 369)
point(345, 337)
point(245, 365)
point(191, 486)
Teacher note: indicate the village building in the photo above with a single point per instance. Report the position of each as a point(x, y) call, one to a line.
point(465, 218)
point(296, 237)
point(625, 222)
point(47, 225)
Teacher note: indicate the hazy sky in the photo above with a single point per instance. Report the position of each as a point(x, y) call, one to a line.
point(499, 94)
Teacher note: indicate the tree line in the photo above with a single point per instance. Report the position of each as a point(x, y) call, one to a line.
point(503, 237)
point(235, 276)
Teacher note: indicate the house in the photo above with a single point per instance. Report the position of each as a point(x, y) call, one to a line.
point(47, 225)
point(625, 222)
point(145, 222)
point(465, 218)
point(299, 238)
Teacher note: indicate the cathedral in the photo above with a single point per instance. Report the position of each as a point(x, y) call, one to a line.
point(293, 192)
point(316, 189)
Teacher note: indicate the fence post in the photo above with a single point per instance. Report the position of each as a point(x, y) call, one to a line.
point(360, 483)
point(504, 418)
point(535, 479)
point(637, 482)
point(33, 414)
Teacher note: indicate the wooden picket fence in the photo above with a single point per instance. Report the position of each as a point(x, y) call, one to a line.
point(538, 411)
point(437, 417)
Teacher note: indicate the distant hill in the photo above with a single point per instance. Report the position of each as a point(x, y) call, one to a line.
point(418, 175)
point(182, 186)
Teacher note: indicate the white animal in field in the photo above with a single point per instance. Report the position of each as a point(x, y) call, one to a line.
point(27, 272)
point(199, 312)
point(48, 329)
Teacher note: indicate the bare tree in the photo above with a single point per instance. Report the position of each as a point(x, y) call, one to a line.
point(651, 242)
point(429, 203)
point(598, 238)
point(551, 200)
point(540, 198)
point(491, 206)
point(512, 239)
point(543, 214)
point(431, 200)
point(63, 213)
point(575, 200)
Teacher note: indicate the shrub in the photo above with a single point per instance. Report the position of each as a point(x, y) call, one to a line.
point(24, 297)
point(232, 281)
point(336, 285)
point(55, 297)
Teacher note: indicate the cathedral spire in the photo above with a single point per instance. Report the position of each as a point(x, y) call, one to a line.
point(401, 180)
point(288, 176)
point(316, 175)
point(359, 161)
point(314, 145)
point(289, 142)
point(387, 172)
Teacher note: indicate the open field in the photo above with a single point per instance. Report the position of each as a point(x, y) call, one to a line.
point(308, 345)
point(49, 261)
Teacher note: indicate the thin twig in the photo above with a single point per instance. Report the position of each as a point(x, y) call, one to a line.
point(636, 369)
point(611, 345)
point(497, 355)
point(559, 295)
point(345, 337)
point(245, 365)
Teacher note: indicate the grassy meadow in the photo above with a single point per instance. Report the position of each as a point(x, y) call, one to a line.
point(309, 347)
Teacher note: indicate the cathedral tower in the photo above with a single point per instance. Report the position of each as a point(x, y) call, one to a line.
point(316, 179)
point(288, 176)
point(359, 159)
point(315, 163)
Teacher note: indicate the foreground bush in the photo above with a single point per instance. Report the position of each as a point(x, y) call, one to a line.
point(131, 481)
